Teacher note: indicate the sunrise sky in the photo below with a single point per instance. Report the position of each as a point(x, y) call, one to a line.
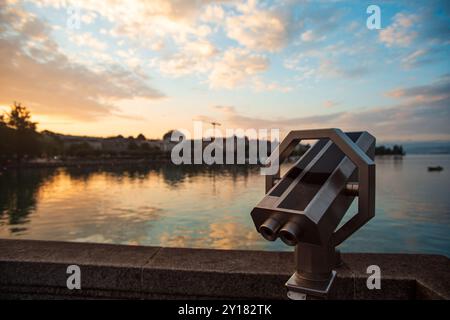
point(149, 66)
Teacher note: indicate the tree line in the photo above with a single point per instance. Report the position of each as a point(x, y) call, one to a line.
point(395, 150)
point(20, 141)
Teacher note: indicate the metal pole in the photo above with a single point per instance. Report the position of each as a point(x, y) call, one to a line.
point(314, 275)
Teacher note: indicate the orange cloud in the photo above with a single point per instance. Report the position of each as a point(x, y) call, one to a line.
point(35, 72)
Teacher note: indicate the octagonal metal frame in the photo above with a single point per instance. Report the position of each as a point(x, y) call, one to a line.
point(366, 174)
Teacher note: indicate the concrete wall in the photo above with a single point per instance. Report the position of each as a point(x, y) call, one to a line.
point(37, 269)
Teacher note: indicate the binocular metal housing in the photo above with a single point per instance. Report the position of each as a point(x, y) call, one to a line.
point(306, 206)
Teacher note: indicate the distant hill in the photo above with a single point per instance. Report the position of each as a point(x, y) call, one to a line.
point(423, 147)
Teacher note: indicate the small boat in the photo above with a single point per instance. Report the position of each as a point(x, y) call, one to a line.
point(437, 168)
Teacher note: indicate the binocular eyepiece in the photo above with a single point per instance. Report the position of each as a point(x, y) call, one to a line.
point(269, 229)
point(289, 233)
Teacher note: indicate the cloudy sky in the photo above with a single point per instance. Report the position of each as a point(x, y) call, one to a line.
point(108, 67)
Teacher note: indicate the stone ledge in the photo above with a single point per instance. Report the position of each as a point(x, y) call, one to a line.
point(37, 269)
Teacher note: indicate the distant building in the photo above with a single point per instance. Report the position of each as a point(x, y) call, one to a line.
point(115, 144)
point(68, 141)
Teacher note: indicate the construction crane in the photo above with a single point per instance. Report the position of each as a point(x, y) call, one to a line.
point(214, 124)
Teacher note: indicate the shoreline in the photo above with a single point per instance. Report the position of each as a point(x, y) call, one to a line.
point(83, 163)
point(117, 162)
point(109, 163)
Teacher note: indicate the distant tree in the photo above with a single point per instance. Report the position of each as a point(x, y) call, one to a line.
point(48, 133)
point(168, 135)
point(145, 146)
point(141, 137)
point(23, 140)
point(81, 149)
point(20, 118)
point(7, 139)
point(395, 150)
point(132, 146)
point(51, 144)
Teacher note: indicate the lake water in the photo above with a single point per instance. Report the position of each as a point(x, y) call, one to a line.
point(210, 207)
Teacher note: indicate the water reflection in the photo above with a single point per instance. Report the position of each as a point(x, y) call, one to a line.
point(18, 196)
point(201, 206)
point(117, 204)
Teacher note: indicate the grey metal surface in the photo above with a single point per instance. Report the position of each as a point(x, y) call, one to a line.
point(305, 207)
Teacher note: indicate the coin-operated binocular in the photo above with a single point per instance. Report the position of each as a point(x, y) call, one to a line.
point(306, 206)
